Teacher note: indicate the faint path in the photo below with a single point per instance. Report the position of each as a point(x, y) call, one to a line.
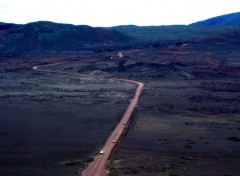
point(120, 55)
point(99, 166)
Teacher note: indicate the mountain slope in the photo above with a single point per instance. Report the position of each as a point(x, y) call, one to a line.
point(228, 19)
point(48, 36)
point(172, 33)
point(228, 42)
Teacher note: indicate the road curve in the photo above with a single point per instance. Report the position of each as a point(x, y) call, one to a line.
point(99, 165)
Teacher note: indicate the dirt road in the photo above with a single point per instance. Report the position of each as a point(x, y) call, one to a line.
point(120, 55)
point(99, 166)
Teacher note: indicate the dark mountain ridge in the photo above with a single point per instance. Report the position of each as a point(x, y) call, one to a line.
point(227, 19)
point(48, 36)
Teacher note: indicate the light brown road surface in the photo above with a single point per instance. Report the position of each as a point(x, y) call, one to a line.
point(99, 165)
point(120, 55)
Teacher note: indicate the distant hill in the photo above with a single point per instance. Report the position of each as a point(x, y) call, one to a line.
point(172, 33)
point(228, 19)
point(48, 36)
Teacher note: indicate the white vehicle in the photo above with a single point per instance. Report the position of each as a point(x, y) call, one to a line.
point(114, 141)
point(101, 152)
point(35, 67)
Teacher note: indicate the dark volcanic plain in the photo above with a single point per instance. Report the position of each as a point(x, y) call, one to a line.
point(187, 121)
point(51, 124)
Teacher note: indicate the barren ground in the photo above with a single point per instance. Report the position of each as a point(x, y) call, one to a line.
point(187, 121)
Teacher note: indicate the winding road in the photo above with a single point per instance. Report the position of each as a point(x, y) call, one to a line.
point(99, 165)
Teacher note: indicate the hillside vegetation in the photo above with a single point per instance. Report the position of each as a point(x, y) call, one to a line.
point(172, 33)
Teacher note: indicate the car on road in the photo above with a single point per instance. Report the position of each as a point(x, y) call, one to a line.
point(101, 152)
